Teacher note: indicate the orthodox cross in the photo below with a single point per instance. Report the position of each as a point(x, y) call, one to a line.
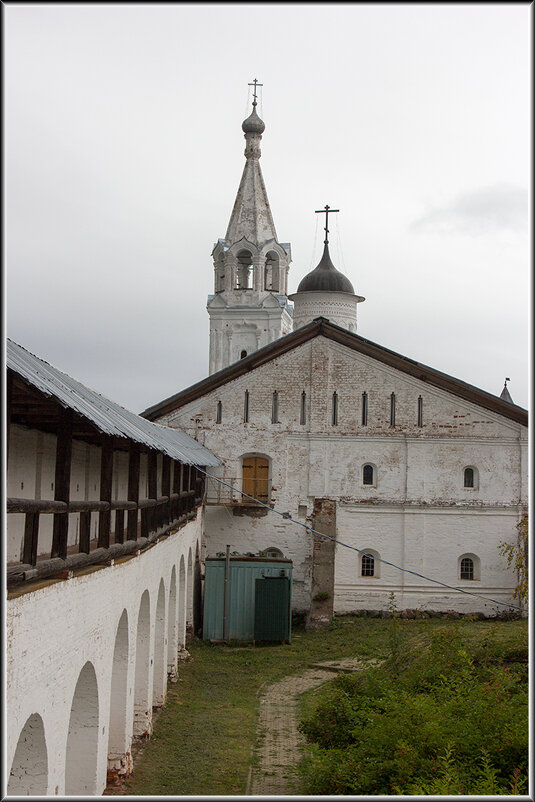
point(255, 84)
point(326, 211)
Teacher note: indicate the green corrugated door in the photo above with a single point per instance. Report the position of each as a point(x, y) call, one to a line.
point(272, 620)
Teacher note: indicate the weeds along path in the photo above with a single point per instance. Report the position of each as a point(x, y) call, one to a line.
point(279, 744)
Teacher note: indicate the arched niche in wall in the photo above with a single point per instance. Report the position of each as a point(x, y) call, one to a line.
point(29, 770)
point(82, 740)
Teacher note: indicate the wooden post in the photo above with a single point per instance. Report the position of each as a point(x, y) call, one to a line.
point(133, 490)
point(85, 531)
point(62, 482)
point(9, 397)
point(31, 533)
point(153, 488)
point(177, 487)
point(119, 526)
point(106, 480)
point(166, 487)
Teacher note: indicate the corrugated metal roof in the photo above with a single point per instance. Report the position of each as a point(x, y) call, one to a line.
point(109, 417)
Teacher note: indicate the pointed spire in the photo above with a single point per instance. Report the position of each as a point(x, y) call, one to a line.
point(251, 216)
point(505, 395)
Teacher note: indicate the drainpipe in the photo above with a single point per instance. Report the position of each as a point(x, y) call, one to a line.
point(226, 594)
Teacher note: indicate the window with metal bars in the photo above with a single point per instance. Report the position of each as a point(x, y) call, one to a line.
point(364, 409)
point(303, 416)
point(467, 568)
point(335, 409)
point(367, 565)
point(275, 408)
point(246, 407)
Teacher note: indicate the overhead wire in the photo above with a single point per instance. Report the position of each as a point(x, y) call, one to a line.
point(287, 516)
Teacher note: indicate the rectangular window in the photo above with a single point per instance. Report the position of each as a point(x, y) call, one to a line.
point(420, 411)
point(219, 412)
point(303, 417)
point(335, 409)
point(275, 408)
point(392, 409)
point(246, 407)
point(364, 409)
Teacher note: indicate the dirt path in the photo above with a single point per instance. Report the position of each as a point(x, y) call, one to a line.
point(279, 743)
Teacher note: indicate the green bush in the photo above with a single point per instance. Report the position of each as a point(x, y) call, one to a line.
point(431, 716)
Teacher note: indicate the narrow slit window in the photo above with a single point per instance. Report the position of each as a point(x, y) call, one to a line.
point(367, 475)
point(219, 412)
point(303, 416)
point(364, 409)
point(469, 477)
point(368, 565)
point(392, 409)
point(420, 411)
point(335, 409)
point(275, 408)
point(246, 407)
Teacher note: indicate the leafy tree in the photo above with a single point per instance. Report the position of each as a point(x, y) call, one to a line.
point(517, 558)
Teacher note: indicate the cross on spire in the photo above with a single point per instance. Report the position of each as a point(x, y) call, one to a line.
point(326, 211)
point(254, 84)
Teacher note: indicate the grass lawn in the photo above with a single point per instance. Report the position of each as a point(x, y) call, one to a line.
point(202, 739)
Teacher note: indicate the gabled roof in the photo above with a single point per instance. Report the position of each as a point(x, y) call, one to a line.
point(107, 416)
point(324, 328)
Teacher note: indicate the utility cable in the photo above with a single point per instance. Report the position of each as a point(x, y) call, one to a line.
point(287, 516)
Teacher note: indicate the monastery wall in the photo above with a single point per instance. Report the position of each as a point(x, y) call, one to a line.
point(107, 638)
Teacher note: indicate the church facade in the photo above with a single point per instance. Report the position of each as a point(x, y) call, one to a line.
point(411, 474)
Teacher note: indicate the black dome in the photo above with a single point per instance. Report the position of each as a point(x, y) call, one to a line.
point(325, 278)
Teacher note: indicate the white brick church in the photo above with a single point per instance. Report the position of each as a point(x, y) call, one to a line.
point(375, 450)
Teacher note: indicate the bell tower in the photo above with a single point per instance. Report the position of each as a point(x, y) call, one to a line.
point(249, 307)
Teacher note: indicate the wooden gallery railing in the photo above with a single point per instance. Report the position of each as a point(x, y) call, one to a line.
point(159, 516)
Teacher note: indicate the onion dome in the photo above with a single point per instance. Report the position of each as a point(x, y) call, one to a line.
point(325, 278)
point(253, 124)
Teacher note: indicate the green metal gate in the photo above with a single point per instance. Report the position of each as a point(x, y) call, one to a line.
point(272, 614)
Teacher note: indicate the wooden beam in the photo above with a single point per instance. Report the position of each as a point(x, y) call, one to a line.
point(106, 480)
point(133, 490)
point(62, 482)
point(152, 466)
point(31, 534)
point(85, 532)
point(9, 405)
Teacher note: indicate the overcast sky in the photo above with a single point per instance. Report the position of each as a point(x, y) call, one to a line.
point(124, 151)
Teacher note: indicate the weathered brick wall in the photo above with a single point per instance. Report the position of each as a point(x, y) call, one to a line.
point(415, 466)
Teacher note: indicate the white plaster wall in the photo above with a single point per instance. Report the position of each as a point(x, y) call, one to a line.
point(244, 320)
point(52, 632)
point(429, 542)
point(338, 307)
point(415, 465)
